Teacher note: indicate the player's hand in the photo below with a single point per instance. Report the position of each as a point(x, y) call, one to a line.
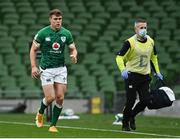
point(35, 72)
point(159, 76)
point(73, 59)
point(124, 74)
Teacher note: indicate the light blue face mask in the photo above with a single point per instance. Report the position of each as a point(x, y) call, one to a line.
point(143, 33)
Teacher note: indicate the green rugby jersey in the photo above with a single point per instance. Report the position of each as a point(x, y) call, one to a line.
point(52, 46)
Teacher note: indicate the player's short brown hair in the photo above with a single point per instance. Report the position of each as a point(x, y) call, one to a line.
point(56, 12)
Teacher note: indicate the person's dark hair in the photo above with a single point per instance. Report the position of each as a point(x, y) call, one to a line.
point(56, 12)
point(140, 21)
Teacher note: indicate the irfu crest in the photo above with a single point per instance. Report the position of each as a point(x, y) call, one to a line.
point(63, 38)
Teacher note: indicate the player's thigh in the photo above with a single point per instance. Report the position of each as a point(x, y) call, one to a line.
point(60, 89)
point(49, 92)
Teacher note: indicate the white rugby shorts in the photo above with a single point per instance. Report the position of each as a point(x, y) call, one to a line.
point(52, 75)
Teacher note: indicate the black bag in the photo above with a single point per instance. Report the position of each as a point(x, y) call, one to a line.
point(160, 96)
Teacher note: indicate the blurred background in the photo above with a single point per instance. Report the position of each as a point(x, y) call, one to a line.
point(99, 28)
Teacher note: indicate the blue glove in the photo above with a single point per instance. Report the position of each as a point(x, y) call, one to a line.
point(124, 74)
point(159, 76)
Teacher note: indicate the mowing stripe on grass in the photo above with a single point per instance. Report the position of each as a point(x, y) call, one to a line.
point(94, 129)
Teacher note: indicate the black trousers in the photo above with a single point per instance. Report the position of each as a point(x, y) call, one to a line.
point(136, 83)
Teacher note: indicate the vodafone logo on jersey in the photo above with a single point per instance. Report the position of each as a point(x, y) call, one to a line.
point(55, 46)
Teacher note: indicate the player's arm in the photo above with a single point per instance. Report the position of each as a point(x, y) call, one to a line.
point(33, 53)
point(73, 53)
point(154, 60)
point(121, 55)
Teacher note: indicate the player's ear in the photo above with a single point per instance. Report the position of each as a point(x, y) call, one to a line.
point(50, 19)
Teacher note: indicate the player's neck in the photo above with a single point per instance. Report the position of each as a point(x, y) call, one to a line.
point(54, 29)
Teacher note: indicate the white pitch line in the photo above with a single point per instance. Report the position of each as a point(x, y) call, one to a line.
point(95, 129)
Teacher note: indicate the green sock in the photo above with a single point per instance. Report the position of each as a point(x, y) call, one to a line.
point(56, 113)
point(42, 108)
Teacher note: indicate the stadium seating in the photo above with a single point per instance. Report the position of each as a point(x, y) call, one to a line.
point(3, 30)
point(99, 29)
point(17, 30)
point(176, 91)
point(28, 18)
point(72, 89)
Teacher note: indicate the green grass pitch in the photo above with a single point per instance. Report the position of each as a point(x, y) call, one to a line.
point(88, 126)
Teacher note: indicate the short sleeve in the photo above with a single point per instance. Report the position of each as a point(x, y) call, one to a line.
point(70, 38)
point(39, 37)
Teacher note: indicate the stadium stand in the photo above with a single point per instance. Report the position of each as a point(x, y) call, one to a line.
point(99, 29)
